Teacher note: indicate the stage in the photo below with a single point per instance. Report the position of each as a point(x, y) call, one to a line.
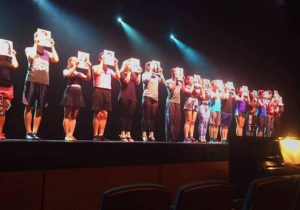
point(17, 155)
point(54, 174)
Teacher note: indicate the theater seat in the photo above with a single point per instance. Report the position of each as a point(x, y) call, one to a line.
point(212, 195)
point(270, 193)
point(137, 197)
point(297, 199)
point(296, 179)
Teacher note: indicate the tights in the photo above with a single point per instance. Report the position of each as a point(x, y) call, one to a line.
point(127, 108)
point(149, 112)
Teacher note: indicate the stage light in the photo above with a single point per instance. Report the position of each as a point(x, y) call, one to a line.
point(290, 150)
point(172, 36)
point(119, 19)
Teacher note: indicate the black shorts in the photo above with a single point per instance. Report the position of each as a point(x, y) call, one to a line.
point(34, 94)
point(101, 100)
point(226, 119)
point(73, 97)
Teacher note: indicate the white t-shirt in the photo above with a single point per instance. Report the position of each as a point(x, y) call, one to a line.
point(150, 85)
point(103, 80)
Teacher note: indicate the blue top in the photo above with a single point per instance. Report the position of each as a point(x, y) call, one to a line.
point(215, 105)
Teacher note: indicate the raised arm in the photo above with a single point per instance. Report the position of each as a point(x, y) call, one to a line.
point(127, 77)
point(55, 57)
point(162, 76)
point(88, 73)
point(31, 52)
point(138, 79)
point(117, 71)
point(146, 77)
point(69, 71)
point(98, 68)
point(189, 89)
point(14, 63)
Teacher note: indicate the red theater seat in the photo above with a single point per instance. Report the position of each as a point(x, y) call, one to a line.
point(214, 194)
point(137, 197)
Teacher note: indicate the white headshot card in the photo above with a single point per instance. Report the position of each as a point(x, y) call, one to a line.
point(83, 59)
point(6, 47)
point(44, 37)
point(109, 57)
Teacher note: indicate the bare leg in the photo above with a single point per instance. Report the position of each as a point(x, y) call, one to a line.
point(96, 123)
point(211, 131)
point(2, 121)
point(242, 122)
point(192, 124)
point(224, 133)
point(28, 119)
point(66, 121)
point(103, 120)
point(239, 125)
point(74, 115)
point(37, 119)
point(188, 117)
point(215, 132)
point(6, 105)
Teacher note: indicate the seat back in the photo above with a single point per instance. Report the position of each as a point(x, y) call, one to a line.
point(214, 195)
point(274, 193)
point(137, 197)
point(297, 196)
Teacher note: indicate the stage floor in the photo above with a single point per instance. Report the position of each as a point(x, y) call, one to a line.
point(18, 154)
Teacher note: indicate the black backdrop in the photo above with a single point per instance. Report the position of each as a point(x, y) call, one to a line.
point(254, 43)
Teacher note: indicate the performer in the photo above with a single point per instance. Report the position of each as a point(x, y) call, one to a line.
point(7, 65)
point(262, 112)
point(73, 99)
point(101, 102)
point(127, 99)
point(36, 82)
point(151, 78)
point(217, 89)
point(252, 108)
point(203, 111)
point(271, 107)
point(228, 101)
point(190, 108)
point(173, 110)
point(240, 111)
point(278, 113)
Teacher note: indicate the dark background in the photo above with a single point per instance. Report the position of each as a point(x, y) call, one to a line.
point(254, 43)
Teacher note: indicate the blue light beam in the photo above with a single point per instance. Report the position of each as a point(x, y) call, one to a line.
point(139, 42)
point(193, 57)
point(71, 29)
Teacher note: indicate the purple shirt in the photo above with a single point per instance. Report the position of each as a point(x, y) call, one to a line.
point(241, 106)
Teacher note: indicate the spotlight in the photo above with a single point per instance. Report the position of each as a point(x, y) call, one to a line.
point(119, 19)
point(172, 36)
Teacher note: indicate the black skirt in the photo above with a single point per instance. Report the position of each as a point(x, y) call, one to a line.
point(73, 97)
